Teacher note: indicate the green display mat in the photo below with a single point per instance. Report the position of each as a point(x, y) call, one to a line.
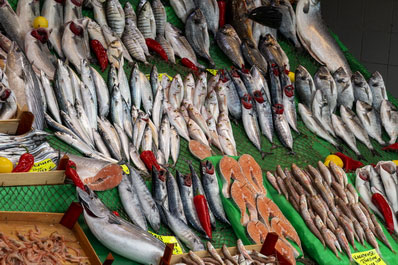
point(308, 148)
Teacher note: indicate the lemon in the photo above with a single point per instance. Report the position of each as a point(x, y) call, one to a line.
point(40, 22)
point(292, 76)
point(395, 162)
point(5, 165)
point(337, 160)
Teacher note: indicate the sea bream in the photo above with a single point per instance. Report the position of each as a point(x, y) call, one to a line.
point(325, 82)
point(182, 8)
point(321, 111)
point(370, 120)
point(378, 88)
point(345, 89)
point(229, 42)
point(389, 119)
point(361, 88)
point(304, 85)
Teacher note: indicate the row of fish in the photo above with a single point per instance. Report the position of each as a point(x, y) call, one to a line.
point(378, 186)
point(322, 95)
point(243, 183)
point(330, 206)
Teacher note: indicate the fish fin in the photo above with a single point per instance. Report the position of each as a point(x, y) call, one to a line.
point(266, 15)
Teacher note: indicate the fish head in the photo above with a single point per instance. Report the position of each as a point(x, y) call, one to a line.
point(278, 109)
point(363, 107)
point(207, 167)
point(5, 94)
point(275, 69)
point(289, 91)
point(301, 73)
point(323, 73)
point(259, 96)
point(76, 29)
point(41, 34)
point(341, 76)
point(91, 203)
point(375, 79)
point(358, 79)
point(247, 101)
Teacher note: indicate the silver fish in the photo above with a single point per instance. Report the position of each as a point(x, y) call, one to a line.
point(389, 119)
point(157, 110)
point(124, 142)
point(378, 88)
point(211, 104)
point(250, 123)
point(111, 138)
point(200, 92)
point(100, 145)
point(165, 138)
point(76, 84)
point(132, 39)
point(370, 120)
point(273, 52)
point(99, 12)
point(146, 93)
point(345, 89)
point(196, 133)
point(52, 103)
point(230, 43)
point(135, 86)
point(182, 8)
point(135, 158)
point(345, 133)
point(189, 87)
point(72, 10)
point(102, 93)
point(179, 43)
point(27, 11)
point(211, 12)
point(127, 121)
point(253, 56)
point(159, 13)
point(304, 85)
point(124, 84)
point(146, 143)
point(321, 111)
point(95, 33)
point(325, 82)
point(176, 91)
point(139, 129)
point(282, 126)
point(289, 105)
point(388, 174)
point(174, 198)
point(83, 120)
point(115, 16)
point(75, 42)
point(174, 144)
point(10, 23)
point(361, 88)
point(264, 113)
point(63, 87)
point(146, 21)
point(53, 11)
point(177, 121)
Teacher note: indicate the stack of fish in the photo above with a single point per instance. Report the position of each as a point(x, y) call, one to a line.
point(329, 205)
point(321, 96)
point(378, 188)
point(243, 182)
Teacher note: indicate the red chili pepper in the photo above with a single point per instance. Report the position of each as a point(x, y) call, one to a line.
point(391, 147)
point(153, 45)
point(222, 4)
point(349, 163)
point(149, 160)
point(383, 206)
point(203, 212)
point(71, 173)
point(25, 163)
point(100, 53)
point(188, 63)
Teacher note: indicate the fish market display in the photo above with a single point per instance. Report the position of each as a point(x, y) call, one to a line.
point(330, 205)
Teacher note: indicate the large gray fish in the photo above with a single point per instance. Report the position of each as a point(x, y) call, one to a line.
point(180, 44)
point(53, 11)
point(250, 123)
point(198, 36)
point(211, 189)
point(253, 56)
point(345, 133)
point(288, 24)
point(118, 235)
point(182, 8)
point(27, 11)
point(159, 191)
point(146, 21)
point(115, 16)
point(304, 85)
point(10, 23)
point(389, 119)
point(159, 13)
point(325, 82)
point(370, 120)
point(378, 88)
point(124, 142)
point(72, 10)
point(102, 93)
point(129, 12)
point(233, 101)
point(131, 203)
point(282, 126)
point(315, 37)
point(289, 103)
point(352, 122)
point(52, 103)
point(175, 203)
point(361, 88)
point(264, 113)
point(321, 111)
point(211, 12)
point(312, 124)
point(131, 39)
point(273, 52)
point(230, 43)
point(166, 47)
point(345, 90)
point(75, 42)
point(111, 138)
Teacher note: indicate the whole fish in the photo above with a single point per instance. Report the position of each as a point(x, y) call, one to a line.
point(139, 129)
point(321, 111)
point(130, 38)
point(27, 11)
point(196, 133)
point(370, 120)
point(214, 138)
point(211, 12)
point(388, 174)
point(282, 126)
point(253, 56)
point(159, 191)
point(262, 82)
point(157, 110)
point(116, 48)
point(198, 36)
point(115, 16)
point(135, 86)
point(111, 138)
point(174, 199)
point(135, 158)
point(176, 92)
point(99, 12)
point(159, 13)
point(146, 21)
point(345, 89)
point(177, 121)
point(276, 87)
point(124, 84)
point(211, 104)
point(234, 108)
point(131, 203)
point(75, 42)
point(166, 47)
point(273, 52)
point(95, 33)
point(182, 8)
point(345, 133)
point(63, 86)
point(361, 88)
point(196, 116)
point(164, 138)
point(10, 23)
point(189, 87)
point(102, 93)
point(288, 24)
point(53, 11)
point(146, 143)
point(240, 21)
point(378, 88)
point(52, 103)
point(115, 233)
point(124, 142)
point(230, 43)
point(179, 43)
point(250, 123)
point(315, 37)
point(174, 144)
point(264, 113)
point(289, 105)
point(89, 105)
point(313, 125)
point(200, 92)
point(343, 241)
point(325, 82)
point(129, 12)
point(100, 144)
point(72, 10)
point(304, 85)
point(389, 119)
point(146, 93)
point(83, 119)
point(352, 122)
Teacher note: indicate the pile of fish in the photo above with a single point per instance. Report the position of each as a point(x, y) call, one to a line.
point(243, 256)
point(322, 95)
point(243, 182)
point(330, 206)
point(378, 187)
point(172, 201)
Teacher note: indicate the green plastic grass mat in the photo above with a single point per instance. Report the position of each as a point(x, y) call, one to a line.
point(313, 246)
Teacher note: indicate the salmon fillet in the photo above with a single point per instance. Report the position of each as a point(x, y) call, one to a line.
point(286, 250)
point(286, 230)
point(199, 150)
point(244, 199)
point(253, 173)
point(257, 231)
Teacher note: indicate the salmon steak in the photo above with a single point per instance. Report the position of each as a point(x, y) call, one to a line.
point(199, 150)
point(257, 231)
point(244, 199)
point(253, 173)
point(285, 230)
point(98, 175)
point(285, 249)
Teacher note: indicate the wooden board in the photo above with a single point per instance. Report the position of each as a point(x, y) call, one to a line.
point(32, 178)
point(47, 223)
point(233, 250)
point(21, 124)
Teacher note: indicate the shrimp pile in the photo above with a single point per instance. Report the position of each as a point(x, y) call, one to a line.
point(31, 249)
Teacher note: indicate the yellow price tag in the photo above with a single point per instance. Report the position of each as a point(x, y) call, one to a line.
point(212, 71)
point(44, 165)
point(160, 76)
point(169, 240)
point(126, 170)
point(370, 257)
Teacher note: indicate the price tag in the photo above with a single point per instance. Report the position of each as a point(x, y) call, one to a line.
point(160, 76)
point(212, 71)
point(126, 170)
point(44, 165)
point(370, 257)
point(170, 240)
